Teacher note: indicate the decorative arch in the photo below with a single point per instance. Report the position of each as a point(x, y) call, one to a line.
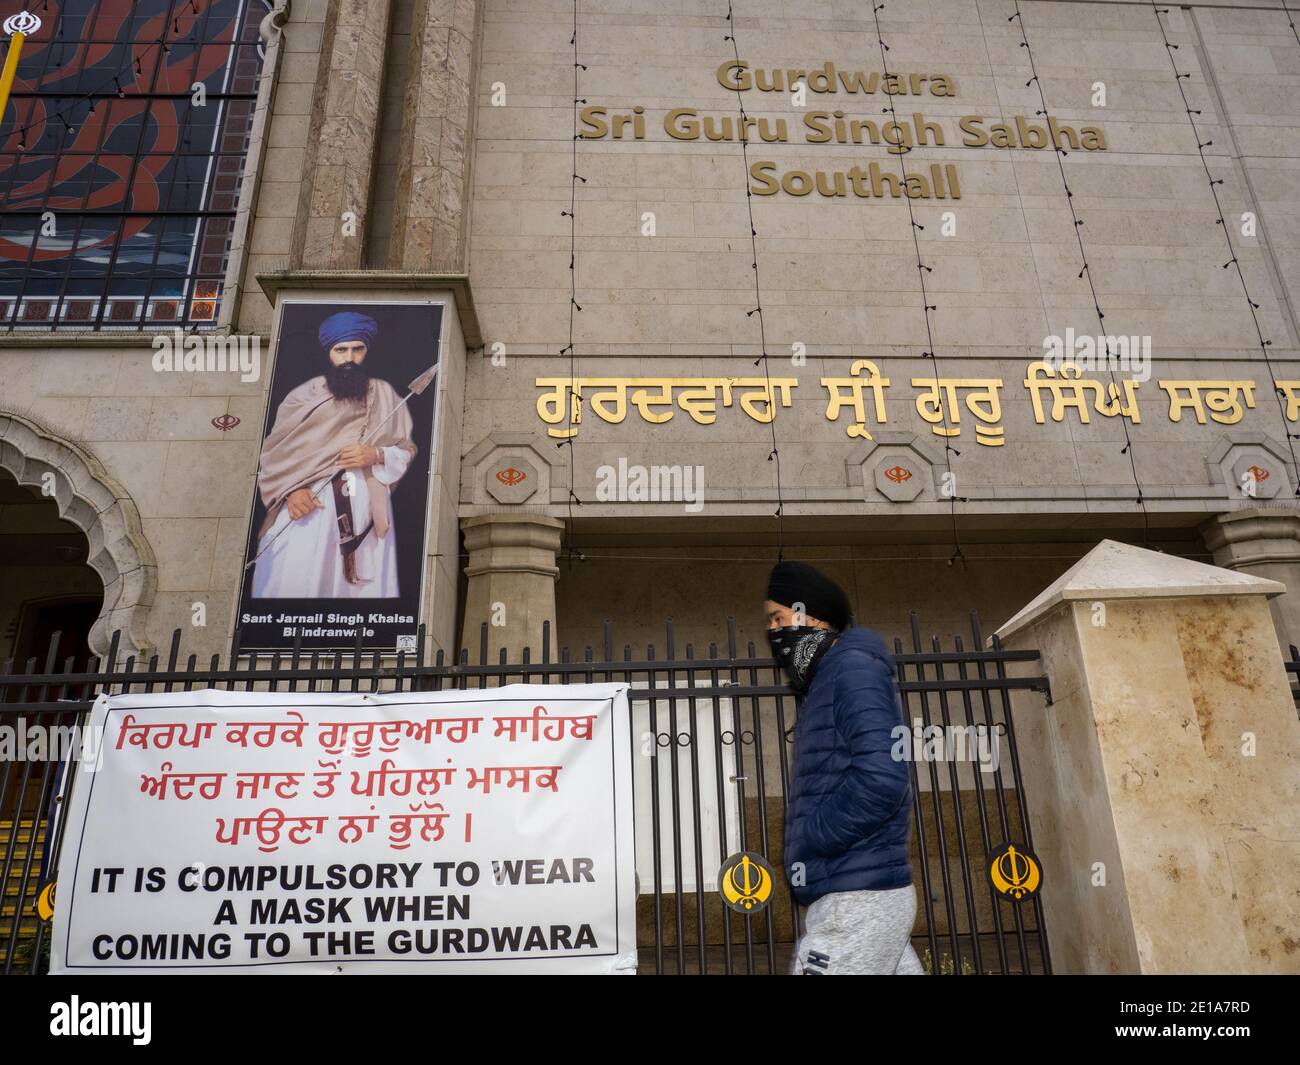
point(101, 508)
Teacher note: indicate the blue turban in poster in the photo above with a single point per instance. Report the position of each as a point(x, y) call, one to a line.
point(347, 325)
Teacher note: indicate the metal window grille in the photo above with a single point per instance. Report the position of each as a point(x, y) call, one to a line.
point(121, 158)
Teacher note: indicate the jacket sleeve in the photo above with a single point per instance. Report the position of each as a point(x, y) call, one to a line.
point(866, 712)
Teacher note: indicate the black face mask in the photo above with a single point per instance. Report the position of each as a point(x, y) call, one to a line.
point(797, 650)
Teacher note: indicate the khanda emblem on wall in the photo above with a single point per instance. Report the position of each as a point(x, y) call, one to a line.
point(1015, 873)
point(511, 476)
point(898, 474)
point(24, 22)
point(745, 881)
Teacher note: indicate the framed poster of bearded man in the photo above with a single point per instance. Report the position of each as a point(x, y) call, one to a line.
point(336, 543)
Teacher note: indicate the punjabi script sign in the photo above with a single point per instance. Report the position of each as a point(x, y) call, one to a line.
point(480, 831)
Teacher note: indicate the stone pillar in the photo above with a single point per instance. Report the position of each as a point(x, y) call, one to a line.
point(431, 208)
point(512, 573)
point(1168, 763)
point(1263, 541)
point(341, 137)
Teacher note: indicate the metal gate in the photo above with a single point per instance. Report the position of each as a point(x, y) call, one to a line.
point(711, 746)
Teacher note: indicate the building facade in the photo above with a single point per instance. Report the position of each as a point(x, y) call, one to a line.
point(981, 285)
point(538, 325)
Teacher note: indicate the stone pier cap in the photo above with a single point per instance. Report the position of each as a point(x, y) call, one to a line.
point(1114, 570)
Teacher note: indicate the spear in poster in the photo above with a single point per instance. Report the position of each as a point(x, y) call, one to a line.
point(415, 388)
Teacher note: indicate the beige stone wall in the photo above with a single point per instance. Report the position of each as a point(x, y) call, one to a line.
point(839, 276)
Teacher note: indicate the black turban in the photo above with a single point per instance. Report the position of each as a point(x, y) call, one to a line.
point(822, 598)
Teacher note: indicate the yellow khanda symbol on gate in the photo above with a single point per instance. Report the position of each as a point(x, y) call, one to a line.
point(1015, 872)
point(746, 882)
point(45, 902)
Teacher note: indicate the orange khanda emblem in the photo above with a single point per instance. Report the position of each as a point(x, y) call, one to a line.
point(511, 476)
point(898, 474)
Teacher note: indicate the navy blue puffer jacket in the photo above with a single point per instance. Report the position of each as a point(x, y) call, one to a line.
point(848, 816)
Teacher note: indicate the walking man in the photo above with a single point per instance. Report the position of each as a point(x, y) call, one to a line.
point(848, 817)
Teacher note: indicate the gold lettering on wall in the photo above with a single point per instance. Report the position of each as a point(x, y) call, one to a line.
point(1069, 390)
point(941, 184)
point(939, 401)
point(943, 412)
point(897, 135)
point(653, 398)
point(854, 385)
point(1291, 393)
point(737, 74)
point(1220, 399)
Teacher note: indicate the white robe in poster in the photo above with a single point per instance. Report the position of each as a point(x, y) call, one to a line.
point(304, 561)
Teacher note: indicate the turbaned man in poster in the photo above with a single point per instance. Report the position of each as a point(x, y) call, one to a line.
point(342, 483)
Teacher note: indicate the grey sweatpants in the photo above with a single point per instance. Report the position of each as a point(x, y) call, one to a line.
point(850, 933)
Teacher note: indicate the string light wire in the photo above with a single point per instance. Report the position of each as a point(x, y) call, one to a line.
point(1233, 260)
point(1290, 19)
point(950, 481)
point(775, 454)
point(1086, 271)
point(574, 398)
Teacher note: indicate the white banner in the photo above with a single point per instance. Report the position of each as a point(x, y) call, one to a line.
point(466, 831)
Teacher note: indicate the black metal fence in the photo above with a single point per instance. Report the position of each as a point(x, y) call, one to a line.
point(714, 782)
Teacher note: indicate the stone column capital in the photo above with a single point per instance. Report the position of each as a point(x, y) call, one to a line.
point(512, 542)
point(1264, 541)
point(1261, 533)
